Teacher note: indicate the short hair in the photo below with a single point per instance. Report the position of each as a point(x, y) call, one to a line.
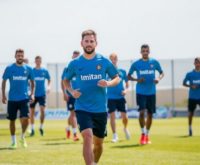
point(19, 51)
point(88, 33)
point(197, 59)
point(113, 55)
point(38, 57)
point(76, 52)
point(144, 46)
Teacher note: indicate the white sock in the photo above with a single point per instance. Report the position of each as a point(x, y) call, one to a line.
point(41, 126)
point(32, 126)
point(22, 135)
point(143, 130)
point(13, 138)
point(115, 136)
point(147, 132)
point(74, 130)
point(68, 128)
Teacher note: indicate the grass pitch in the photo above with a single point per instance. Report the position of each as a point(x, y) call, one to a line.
point(170, 145)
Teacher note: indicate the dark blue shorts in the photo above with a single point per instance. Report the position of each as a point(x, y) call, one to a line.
point(192, 104)
point(96, 121)
point(14, 106)
point(116, 104)
point(70, 104)
point(147, 102)
point(41, 100)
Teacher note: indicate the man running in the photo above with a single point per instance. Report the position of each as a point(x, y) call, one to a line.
point(41, 74)
point(90, 70)
point(19, 75)
point(145, 69)
point(116, 100)
point(72, 121)
point(192, 81)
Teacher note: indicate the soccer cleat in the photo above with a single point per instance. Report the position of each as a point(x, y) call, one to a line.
point(32, 132)
point(23, 143)
point(41, 132)
point(190, 132)
point(68, 134)
point(147, 139)
point(142, 139)
point(115, 139)
point(13, 146)
point(76, 138)
point(127, 134)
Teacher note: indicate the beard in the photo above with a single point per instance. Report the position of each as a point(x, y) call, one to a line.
point(20, 61)
point(88, 51)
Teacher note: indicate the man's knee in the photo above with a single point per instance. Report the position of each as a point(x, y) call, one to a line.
point(87, 134)
point(142, 114)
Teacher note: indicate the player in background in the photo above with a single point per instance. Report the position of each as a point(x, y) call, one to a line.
point(72, 121)
point(41, 74)
point(90, 70)
point(192, 81)
point(18, 74)
point(117, 101)
point(145, 69)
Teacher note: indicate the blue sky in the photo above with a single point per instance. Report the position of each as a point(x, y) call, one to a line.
point(52, 28)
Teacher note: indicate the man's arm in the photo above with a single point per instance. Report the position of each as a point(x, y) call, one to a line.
point(160, 77)
point(3, 88)
point(135, 79)
point(65, 95)
point(32, 83)
point(74, 92)
point(111, 83)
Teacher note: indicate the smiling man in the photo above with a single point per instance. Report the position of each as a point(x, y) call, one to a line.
point(90, 70)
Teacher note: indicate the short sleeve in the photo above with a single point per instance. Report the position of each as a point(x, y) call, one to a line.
point(6, 74)
point(132, 69)
point(31, 74)
point(48, 77)
point(186, 79)
point(158, 67)
point(111, 70)
point(70, 71)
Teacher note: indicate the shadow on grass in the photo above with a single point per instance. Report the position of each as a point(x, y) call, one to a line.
point(4, 148)
point(61, 143)
point(183, 136)
point(127, 146)
point(53, 139)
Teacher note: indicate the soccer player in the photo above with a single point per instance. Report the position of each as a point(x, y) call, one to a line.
point(116, 100)
point(18, 75)
point(192, 81)
point(90, 70)
point(145, 69)
point(72, 121)
point(41, 74)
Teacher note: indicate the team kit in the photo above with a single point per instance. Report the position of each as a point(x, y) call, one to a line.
point(93, 87)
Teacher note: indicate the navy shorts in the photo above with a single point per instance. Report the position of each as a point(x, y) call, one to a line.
point(41, 100)
point(70, 104)
point(96, 121)
point(116, 104)
point(192, 104)
point(14, 106)
point(146, 102)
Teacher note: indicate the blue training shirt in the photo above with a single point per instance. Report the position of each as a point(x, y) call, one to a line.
point(40, 74)
point(193, 78)
point(146, 70)
point(116, 91)
point(18, 77)
point(88, 73)
point(73, 81)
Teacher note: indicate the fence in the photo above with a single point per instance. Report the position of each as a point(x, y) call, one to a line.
point(170, 91)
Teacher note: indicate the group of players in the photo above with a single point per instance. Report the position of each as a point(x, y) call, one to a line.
point(91, 84)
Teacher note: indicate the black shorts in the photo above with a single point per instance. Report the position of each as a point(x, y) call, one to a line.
point(41, 100)
point(70, 104)
point(96, 121)
point(14, 106)
point(116, 104)
point(147, 102)
point(192, 104)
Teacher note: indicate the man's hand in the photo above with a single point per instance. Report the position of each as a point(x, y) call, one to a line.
point(48, 89)
point(4, 100)
point(156, 81)
point(141, 80)
point(65, 97)
point(75, 93)
point(124, 92)
point(32, 98)
point(103, 83)
point(194, 86)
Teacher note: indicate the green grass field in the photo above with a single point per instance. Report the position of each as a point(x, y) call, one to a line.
point(170, 146)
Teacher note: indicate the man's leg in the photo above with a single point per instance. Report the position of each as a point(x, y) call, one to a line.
point(98, 148)
point(125, 123)
point(142, 126)
point(42, 117)
point(191, 108)
point(113, 126)
point(74, 124)
point(32, 120)
point(87, 146)
point(190, 117)
point(12, 133)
